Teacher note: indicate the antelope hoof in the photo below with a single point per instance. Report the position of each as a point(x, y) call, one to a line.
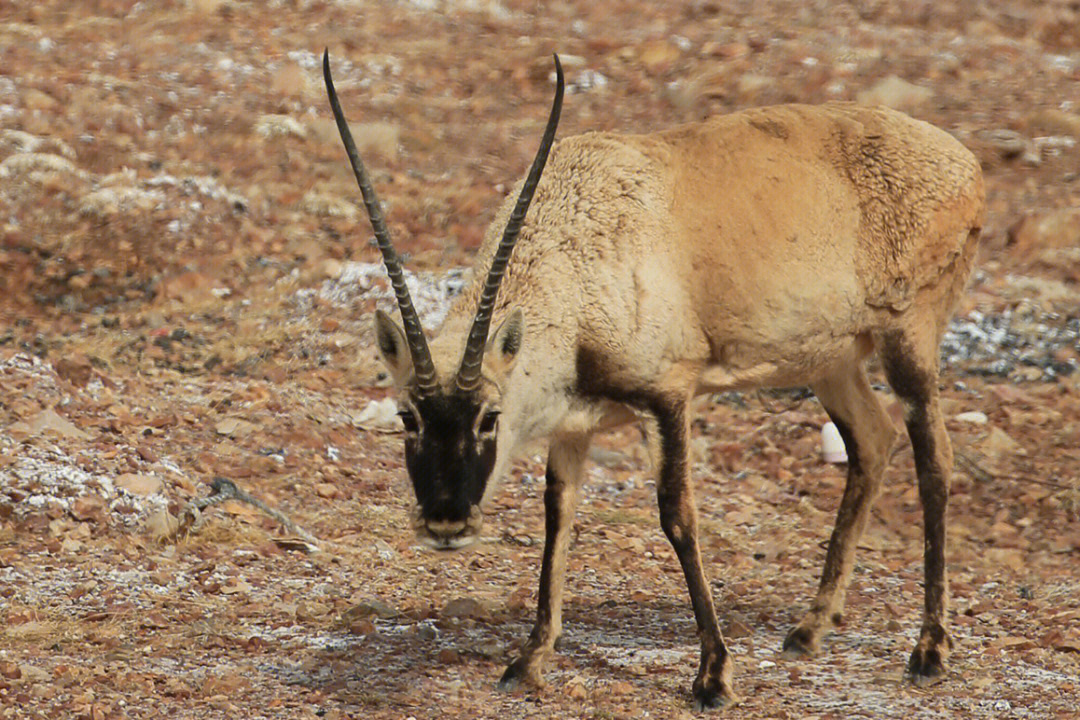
point(800, 643)
point(927, 664)
point(519, 675)
point(713, 694)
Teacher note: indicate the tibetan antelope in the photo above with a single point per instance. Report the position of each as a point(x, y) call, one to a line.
point(778, 246)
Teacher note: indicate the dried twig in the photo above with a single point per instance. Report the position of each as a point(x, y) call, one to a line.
point(222, 489)
point(795, 398)
point(967, 462)
point(964, 461)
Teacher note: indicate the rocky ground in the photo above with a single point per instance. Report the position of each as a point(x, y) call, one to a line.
point(186, 282)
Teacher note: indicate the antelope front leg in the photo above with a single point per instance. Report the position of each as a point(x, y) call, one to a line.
point(678, 516)
point(565, 461)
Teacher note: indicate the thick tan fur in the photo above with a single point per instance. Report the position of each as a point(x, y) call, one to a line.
point(752, 249)
point(777, 246)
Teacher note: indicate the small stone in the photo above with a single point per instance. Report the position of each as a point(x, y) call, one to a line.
point(326, 490)
point(305, 610)
point(1057, 122)
point(35, 99)
point(276, 126)
point(738, 629)
point(1036, 233)
point(379, 415)
point(371, 607)
point(657, 56)
point(575, 688)
point(750, 85)
point(725, 50)
point(234, 427)
point(47, 421)
point(162, 525)
point(488, 649)
point(999, 444)
point(1008, 143)
point(361, 627)
point(426, 631)
point(147, 453)
point(464, 608)
point(448, 656)
point(974, 416)
point(331, 268)
point(327, 205)
point(70, 546)
point(138, 484)
point(607, 458)
point(75, 368)
point(88, 508)
point(32, 674)
point(896, 93)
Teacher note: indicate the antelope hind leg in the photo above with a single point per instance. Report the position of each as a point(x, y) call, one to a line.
point(911, 367)
point(869, 436)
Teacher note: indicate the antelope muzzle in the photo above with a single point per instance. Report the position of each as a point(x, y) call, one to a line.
point(449, 533)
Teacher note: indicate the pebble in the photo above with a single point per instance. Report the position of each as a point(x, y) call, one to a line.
point(975, 417)
point(464, 608)
point(895, 92)
point(371, 607)
point(379, 415)
point(575, 688)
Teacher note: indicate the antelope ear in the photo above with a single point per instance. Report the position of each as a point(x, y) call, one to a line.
point(393, 348)
point(506, 342)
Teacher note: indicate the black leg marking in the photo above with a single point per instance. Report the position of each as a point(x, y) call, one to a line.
point(678, 517)
point(560, 502)
point(914, 378)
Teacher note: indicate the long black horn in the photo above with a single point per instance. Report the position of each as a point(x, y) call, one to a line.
point(414, 333)
point(468, 376)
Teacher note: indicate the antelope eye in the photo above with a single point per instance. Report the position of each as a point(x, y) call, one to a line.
point(488, 423)
point(408, 419)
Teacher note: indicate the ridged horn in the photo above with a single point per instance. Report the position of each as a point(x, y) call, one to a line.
point(414, 332)
point(468, 376)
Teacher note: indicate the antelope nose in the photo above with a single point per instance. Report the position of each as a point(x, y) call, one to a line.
point(445, 529)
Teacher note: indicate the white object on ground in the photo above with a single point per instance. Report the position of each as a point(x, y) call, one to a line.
point(973, 416)
point(379, 415)
point(832, 445)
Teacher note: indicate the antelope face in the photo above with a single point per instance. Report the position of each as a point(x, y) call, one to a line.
point(451, 424)
point(452, 431)
point(450, 449)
